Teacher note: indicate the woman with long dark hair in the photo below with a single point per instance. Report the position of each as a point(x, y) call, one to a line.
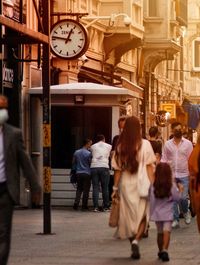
point(131, 150)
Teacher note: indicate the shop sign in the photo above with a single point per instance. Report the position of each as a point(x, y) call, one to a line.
point(8, 76)
point(11, 9)
point(169, 107)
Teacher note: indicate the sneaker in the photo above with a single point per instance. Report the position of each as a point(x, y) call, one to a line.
point(187, 217)
point(164, 256)
point(175, 224)
point(135, 251)
point(106, 209)
point(96, 210)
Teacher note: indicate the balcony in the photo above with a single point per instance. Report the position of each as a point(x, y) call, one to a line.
point(121, 37)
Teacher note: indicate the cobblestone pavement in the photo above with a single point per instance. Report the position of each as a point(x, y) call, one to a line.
point(85, 238)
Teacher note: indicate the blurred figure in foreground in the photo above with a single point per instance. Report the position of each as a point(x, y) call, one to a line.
point(13, 156)
point(194, 168)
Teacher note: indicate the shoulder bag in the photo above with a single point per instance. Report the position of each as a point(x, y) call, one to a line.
point(114, 213)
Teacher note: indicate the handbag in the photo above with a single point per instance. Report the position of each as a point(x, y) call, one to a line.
point(143, 182)
point(114, 213)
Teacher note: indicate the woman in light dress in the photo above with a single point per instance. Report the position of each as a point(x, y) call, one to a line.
point(131, 150)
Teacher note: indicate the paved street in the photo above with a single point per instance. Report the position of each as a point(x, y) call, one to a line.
point(85, 238)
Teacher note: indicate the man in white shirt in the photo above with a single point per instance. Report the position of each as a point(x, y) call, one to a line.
point(176, 152)
point(100, 171)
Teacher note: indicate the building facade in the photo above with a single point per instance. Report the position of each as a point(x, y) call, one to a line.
point(142, 58)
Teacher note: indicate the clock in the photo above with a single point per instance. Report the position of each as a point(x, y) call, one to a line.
point(68, 39)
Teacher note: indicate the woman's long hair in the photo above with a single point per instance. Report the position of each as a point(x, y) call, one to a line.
point(163, 181)
point(128, 145)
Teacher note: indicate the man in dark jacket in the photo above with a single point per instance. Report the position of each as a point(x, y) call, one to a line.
point(12, 157)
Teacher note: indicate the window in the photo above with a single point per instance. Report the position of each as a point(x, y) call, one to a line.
point(196, 54)
point(153, 7)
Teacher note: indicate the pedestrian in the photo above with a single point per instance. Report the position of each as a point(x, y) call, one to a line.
point(157, 148)
point(194, 168)
point(155, 142)
point(12, 157)
point(100, 172)
point(81, 162)
point(176, 152)
point(121, 122)
point(131, 150)
point(163, 193)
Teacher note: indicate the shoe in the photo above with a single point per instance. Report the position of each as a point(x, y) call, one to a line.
point(75, 207)
point(187, 217)
point(164, 256)
point(96, 210)
point(135, 251)
point(160, 254)
point(175, 224)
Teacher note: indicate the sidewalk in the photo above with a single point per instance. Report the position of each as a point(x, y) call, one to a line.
point(85, 238)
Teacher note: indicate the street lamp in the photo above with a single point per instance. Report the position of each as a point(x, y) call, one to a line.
point(112, 18)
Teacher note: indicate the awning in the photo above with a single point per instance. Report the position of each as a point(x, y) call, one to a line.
point(86, 89)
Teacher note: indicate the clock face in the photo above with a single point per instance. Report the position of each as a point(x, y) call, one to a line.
point(68, 39)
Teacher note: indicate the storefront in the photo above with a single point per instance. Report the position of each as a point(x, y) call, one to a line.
point(78, 111)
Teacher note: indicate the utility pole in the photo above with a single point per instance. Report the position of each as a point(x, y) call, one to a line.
point(46, 121)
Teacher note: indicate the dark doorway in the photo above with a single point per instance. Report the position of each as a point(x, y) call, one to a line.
point(70, 125)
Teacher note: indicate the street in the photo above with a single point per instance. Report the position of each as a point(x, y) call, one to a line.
point(85, 238)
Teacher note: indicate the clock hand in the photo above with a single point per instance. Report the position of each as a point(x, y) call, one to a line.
point(68, 37)
point(57, 37)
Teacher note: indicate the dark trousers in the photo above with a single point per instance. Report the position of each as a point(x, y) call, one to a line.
point(100, 175)
point(6, 213)
point(83, 186)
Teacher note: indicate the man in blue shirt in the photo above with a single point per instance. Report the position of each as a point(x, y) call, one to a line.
point(81, 163)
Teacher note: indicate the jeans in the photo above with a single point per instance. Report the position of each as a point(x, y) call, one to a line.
point(83, 186)
point(100, 175)
point(183, 203)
